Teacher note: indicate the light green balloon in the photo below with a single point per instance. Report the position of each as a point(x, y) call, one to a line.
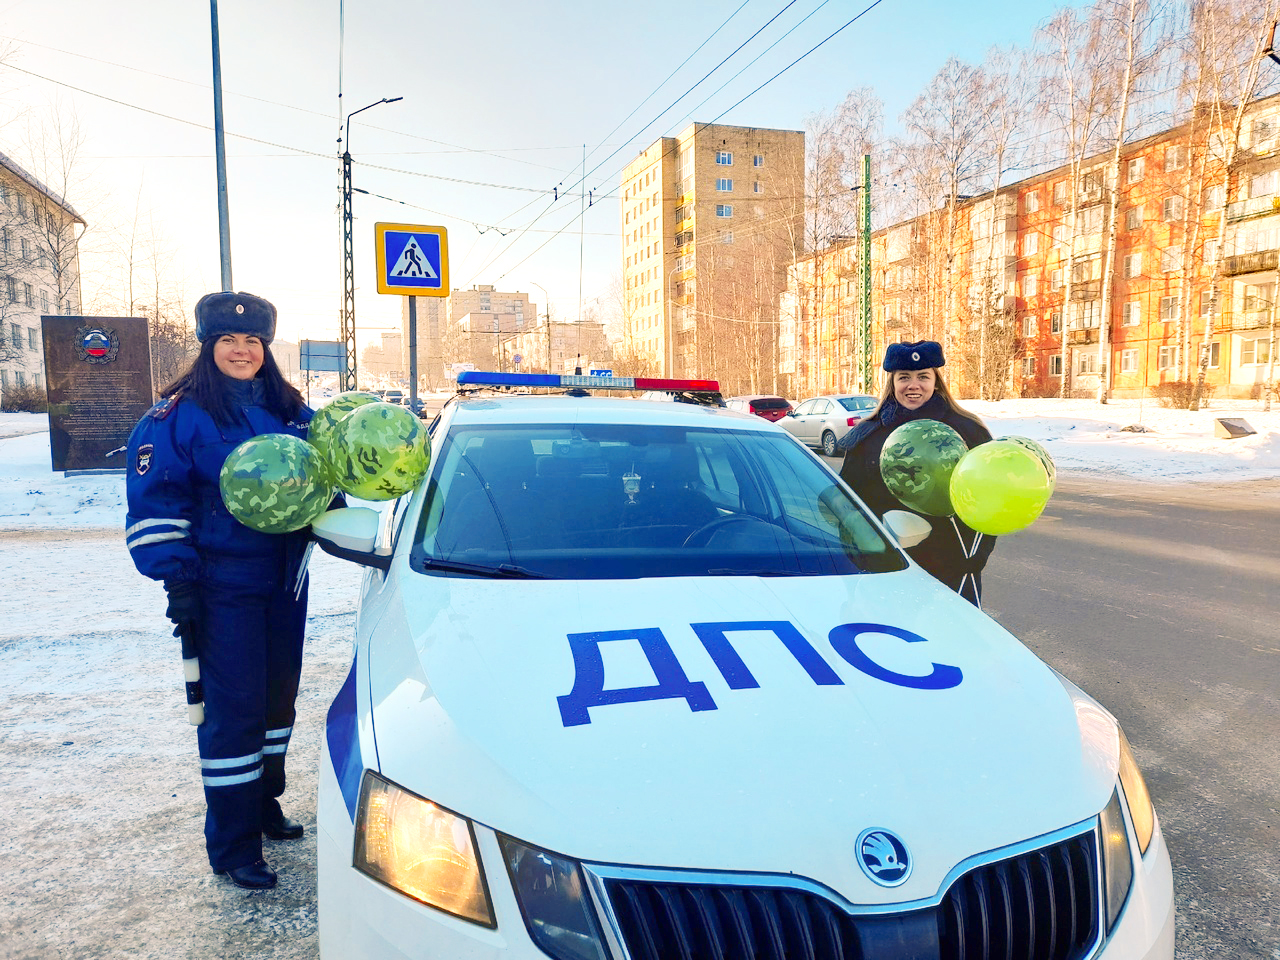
point(1000, 487)
point(1040, 452)
point(275, 483)
point(916, 462)
point(320, 433)
point(379, 451)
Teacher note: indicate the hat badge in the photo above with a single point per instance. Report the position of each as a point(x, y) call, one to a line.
point(915, 355)
point(239, 308)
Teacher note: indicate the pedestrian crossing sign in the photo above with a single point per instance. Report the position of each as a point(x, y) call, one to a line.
point(413, 260)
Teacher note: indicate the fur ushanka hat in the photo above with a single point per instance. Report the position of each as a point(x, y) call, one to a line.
point(924, 355)
point(220, 313)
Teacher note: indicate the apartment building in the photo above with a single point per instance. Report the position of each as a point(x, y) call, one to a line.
point(439, 331)
point(1034, 304)
point(40, 266)
point(711, 220)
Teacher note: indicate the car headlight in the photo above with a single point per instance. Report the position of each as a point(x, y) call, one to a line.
point(1117, 865)
point(1141, 812)
point(419, 849)
point(554, 902)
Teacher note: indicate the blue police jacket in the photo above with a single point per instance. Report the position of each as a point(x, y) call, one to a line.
point(176, 514)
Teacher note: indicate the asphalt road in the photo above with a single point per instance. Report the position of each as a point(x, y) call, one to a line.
point(1163, 602)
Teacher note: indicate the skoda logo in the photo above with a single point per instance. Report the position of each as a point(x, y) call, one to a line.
point(883, 857)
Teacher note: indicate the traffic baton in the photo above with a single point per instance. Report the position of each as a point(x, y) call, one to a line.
point(191, 674)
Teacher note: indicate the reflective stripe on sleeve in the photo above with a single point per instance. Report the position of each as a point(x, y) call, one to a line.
point(157, 538)
point(156, 522)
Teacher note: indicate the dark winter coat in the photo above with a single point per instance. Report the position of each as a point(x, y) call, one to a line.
point(176, 515)
point(943, 552)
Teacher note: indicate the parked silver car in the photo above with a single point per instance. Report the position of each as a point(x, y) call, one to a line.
point(821, 421)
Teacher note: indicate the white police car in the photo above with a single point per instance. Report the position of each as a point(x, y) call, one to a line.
point(639, 681)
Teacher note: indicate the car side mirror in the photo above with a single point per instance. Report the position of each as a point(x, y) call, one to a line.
point(349, 533)
point(909, 529)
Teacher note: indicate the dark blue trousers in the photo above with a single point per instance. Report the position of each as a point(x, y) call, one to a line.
point(250, 650)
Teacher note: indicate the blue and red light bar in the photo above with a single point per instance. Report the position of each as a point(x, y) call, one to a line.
point(482, 378)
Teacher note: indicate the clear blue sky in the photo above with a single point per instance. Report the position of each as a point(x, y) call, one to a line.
point(501, 93)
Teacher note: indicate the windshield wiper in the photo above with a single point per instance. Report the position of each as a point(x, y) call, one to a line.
point(502, 570)
point(749, 572)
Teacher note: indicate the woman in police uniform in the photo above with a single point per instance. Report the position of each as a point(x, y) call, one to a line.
point(954, 553)
point(230, 588)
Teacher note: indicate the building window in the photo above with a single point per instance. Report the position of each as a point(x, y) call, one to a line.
point(15, 336)
point(724, 158)
point(1031, 202)
point(724, 210)
point(1215, 197)
point(1030, 244)
point(724, 184)
point(1087, 362)
point(1056, 279)
point(1215, 353)
point(1172, 209)
point(1088, 313)
point(1133, 265)
point(1170, 259)
point(1167, 357)
point(19, 378)
point(44, 301)
point(1060, 192)
point(1131, 313)
point(1170, 309)
point(757, 187)
point(1055, 322)
point(1055, 365)
point(11, 288)
point(28, 295)
point(757, 161)
point(1262, 130)
point(1030, 285)
point(33, 341)
point(1128, 361)
point(1257, 296)
point(1255, 351)
point(26, 249)
point(1028, 327)
point(1175, 158)
point(1137, 167)
point(1028, 366)
point(1264, 184)
point(1089, 220)
point(726, 236)
point(1060, 235)
point(22, 205)
point(4, 379)
point(1133, 218)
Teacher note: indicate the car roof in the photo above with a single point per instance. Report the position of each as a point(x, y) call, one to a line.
point(563, 408)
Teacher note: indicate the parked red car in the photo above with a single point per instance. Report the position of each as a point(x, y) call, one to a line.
point(772, 409)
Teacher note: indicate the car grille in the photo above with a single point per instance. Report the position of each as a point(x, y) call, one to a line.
point(1041, 905)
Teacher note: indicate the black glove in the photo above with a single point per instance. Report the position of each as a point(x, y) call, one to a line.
point(184, 607)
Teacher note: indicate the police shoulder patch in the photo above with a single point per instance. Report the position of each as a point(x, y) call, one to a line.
point(164, 407)
point(145, 453)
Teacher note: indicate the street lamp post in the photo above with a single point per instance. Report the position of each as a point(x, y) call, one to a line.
point(348, 253)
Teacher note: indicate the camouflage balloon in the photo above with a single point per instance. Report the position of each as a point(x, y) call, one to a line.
point(379, 451)
point(276, 483)
point(1041, 454)
point(320, 433)
point(916, 463)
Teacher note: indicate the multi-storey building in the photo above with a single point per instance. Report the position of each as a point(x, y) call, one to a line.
point(40, 266)
point(439, 319)
point(1050, 292)
point(711, 219)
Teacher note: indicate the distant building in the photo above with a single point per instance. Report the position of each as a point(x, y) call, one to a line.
point(711, 220)
point(439, 319)
point(385, 360)
point(40, 271)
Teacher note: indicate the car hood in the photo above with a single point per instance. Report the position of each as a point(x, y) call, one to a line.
point(744, 724)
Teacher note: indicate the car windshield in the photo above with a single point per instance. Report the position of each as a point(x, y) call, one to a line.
point(857, 404)
point(620, 501)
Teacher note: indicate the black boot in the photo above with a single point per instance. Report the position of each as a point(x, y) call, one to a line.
point(276, 826)
point(252, 876)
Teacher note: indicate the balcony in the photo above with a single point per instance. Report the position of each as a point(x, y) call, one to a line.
point(1247, 320)
point(1248, 209)
point(1086, 290)
point(1251, 262)
point(1087, 335)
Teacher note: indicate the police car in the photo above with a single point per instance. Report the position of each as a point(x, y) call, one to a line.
point(639, 681)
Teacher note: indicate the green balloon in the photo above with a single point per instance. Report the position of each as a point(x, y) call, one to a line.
point(916, 463)
point(1041, 453)
point(379, 451)
point(320, 433)
point(276, 483)
point(1000, 487)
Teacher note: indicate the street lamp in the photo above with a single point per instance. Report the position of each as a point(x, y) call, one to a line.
point(547, 296)
point(348, 257)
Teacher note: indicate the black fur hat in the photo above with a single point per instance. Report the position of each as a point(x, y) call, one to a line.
point(913, 356)
point(219, 313)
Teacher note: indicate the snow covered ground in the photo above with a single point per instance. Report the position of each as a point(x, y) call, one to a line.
point(101, 850)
